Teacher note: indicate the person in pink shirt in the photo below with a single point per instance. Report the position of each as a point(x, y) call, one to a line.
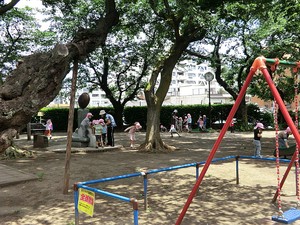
point(131, 130)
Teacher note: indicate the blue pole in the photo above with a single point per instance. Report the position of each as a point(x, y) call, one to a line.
point(75, 188)
point(145, 191)
point(106, 193)
point(136, 217)
point(111, 178)
point(135, 211)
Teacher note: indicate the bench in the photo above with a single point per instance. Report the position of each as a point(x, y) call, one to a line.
point(35, 128)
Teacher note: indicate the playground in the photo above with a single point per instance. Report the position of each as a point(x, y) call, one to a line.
point(219, 200)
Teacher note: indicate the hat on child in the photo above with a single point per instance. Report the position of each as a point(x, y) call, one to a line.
point(102, 112)
point(288, 130)
point(96, 122)
point(259, 126)
point(89, 114)
point(101, 121)
point(137, 125)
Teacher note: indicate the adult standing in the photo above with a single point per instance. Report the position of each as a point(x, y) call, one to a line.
point(189, 122)
point(204, 122)
point(174, 119)
point(111, 124)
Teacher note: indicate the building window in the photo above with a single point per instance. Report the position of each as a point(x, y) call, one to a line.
point(191, 75)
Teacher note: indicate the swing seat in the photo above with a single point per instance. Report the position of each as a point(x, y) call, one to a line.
point(286, 151)
point(289, 216)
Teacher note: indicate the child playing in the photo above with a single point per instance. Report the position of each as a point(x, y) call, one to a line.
point(104, 130)
point(256, 141)
point(49, 128)
point(98, 133)
point(131, 130)
point(173, 130)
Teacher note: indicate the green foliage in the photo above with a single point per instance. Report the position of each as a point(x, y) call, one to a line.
point(20, 35)
point(59, 116)
point(137, 113)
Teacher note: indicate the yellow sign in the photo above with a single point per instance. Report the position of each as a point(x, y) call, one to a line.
point(86, 201)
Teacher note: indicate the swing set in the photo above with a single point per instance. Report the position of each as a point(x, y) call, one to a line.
point(260, 63)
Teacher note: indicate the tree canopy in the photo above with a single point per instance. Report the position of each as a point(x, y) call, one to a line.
point(128, 41)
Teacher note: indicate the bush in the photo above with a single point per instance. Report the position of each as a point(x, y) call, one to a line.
point(219, 112)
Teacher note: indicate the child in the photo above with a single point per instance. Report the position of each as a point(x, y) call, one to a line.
point(104, 130)
point(98, 133)
point(163, 128)
point(256, 141)
point(232, 126)
point(131, 130)
point(200, 123)
point(180, 124)
point(49, 128)
point(173, 130)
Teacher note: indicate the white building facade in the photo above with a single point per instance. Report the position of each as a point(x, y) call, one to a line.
point(188, 87)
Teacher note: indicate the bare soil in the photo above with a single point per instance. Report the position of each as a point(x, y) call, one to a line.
point(219, 199)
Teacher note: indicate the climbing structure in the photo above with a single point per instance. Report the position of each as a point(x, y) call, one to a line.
point(260, 63)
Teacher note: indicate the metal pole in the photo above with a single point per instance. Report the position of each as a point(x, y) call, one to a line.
point(145, 191)
point(237, 169)
point(218, 141)
point(209, 104)
point(288, 120)
point(75, 188)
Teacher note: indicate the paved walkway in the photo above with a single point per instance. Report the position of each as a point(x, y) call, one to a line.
point(10, 175)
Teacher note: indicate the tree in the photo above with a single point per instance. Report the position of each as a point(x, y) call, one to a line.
point(179, 29)
point(120, 67)
point(242, 34)
point(37, 81)
point(19, 34)
point(4, 8)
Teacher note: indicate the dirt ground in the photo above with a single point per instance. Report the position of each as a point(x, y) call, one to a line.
point(219, 200)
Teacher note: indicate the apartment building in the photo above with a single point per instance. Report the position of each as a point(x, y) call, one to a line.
point(188, 87)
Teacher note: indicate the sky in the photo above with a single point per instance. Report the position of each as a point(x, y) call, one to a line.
point(37, 4)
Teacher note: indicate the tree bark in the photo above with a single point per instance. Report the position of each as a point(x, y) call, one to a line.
point(153, 141)
point(38, 80)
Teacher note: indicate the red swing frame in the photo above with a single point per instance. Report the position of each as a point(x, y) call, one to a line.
point(258, 64)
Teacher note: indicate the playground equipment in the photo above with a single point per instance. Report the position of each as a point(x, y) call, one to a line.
point(286, 217)
point(292, 214)
point(144, 174)
point(259, 63)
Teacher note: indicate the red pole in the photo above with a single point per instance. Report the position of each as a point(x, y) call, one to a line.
point(258, 63)
point(289, 121)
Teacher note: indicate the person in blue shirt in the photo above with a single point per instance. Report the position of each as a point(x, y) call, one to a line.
point(110, 124)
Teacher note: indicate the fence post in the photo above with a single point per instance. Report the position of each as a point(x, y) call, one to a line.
point(135, 211)
point(237, 169)
point(75, 188)
point(144, 174)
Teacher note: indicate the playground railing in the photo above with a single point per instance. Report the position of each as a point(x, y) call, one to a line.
point(134, 201)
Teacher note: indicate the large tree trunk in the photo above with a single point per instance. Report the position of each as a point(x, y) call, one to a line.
point(153, 142)
point(37, 81)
